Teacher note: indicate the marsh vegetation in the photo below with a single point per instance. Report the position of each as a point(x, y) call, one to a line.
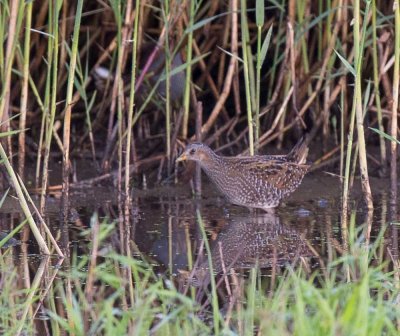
point(106, 234)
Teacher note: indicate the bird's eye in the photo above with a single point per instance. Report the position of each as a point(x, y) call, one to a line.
point(192, 151)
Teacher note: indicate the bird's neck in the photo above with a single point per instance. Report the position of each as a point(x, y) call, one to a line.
point(214, 162)
point(216, 169)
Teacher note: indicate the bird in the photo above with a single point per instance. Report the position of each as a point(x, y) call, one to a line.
point(259, 181)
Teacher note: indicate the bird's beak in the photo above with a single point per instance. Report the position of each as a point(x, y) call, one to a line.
point(183, 157)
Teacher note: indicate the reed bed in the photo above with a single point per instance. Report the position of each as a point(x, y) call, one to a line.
point(127, 77)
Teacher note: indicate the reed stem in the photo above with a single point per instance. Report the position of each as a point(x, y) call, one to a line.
point(51, 93)
point(132, 94)
point(246, 65)
point(395, 106)
point(189, 52)
point(358, 56)
point(24, 91)
point(259, 23)
point(68, 104)
point(382, 146)
point(168, 88)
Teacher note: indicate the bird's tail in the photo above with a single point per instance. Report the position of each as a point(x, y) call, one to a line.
point(299, 152)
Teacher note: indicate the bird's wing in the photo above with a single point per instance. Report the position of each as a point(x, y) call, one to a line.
point(298, 154)
point(267, 157)
point(281, 175)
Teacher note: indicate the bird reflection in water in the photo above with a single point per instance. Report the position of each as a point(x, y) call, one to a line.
point(260, 239)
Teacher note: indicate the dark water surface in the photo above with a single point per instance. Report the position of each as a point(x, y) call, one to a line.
point(307, 226)
point(164, 226)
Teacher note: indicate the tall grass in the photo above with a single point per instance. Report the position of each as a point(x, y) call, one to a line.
point(300, 303)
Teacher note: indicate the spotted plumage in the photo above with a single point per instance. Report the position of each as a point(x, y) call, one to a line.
point(259, 181)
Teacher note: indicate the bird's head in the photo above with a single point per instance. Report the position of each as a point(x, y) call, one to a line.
point(196, 152)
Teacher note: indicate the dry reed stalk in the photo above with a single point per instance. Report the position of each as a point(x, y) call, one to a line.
point(395, 107)
point(112, 131)
point(199, 122)
point(12, 32)
point(232, 298)
point(129, 271)
point(131, 104)
point(222, 60)
point(89, 286)
point(170, 243)
point(359, 110)
point(236, 91)
point(12, 41)
point(24, 205)
point(236, 141)
point(158, 45)
point(24, 92)
point(321, 76)
point(278, 116)
point(25, 263)
point(39, 24)
point(224, 271)
point(101, 59)
point(238, 284)
point(118, 99)
point(51, 96)
point(49, 285)
point(189, 52)
point(229, 75)
point(42, 222)
point(65, 32)
point(292, 62)
point(40, 272)
point(123, 198)
point(24, 258)
point(382, 145)
point(66, 164)
point(227, 127)
point(203, 67)
point(69, 301)
point(385, 51)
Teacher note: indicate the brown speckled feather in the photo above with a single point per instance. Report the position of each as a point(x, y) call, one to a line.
point(253, 181)
point(282, 175)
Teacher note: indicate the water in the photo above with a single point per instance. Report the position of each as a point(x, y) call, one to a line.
point(164, 224)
